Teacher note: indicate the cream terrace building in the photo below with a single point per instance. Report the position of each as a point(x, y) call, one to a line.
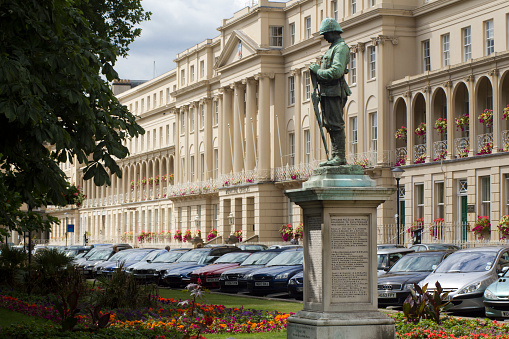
point(232, 126)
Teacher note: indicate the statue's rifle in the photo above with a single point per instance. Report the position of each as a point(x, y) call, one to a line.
point(315, 97)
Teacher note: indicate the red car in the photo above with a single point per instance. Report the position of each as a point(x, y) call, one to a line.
point(209, 275)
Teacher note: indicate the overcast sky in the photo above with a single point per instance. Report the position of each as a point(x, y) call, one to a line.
point(176, 25)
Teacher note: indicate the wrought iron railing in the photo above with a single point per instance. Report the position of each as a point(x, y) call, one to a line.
point(295, 172)
point(484, 143)
point(439, 150)
point(461, 147)
point(420, 153)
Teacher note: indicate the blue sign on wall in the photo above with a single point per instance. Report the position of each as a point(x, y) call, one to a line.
point(70, 228)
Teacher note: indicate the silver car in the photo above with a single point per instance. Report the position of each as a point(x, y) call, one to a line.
point(466, 274)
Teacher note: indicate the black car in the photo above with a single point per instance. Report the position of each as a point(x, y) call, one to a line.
point(150, 272)
point(394, 287)
point(179, 273)
point(130, 257)
point(296, 286)
point(233, 280)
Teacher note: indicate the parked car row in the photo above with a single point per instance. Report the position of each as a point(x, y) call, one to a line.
point(476, 279)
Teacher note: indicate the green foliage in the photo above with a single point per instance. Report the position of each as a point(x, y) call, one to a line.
point(420, 304)
point(55, 105)
point(49, 270)
point(12, 260)
point(99, 320)
point(68, 309)
point(122, 291)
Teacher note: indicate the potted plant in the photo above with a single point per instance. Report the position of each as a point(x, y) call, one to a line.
point(436, 230)
point(486, 148)
point(238, 234)
point(482, 227)
point(441, 125)
point(462, 122)
point(463, 152)
point(421, 130)
point(401, 133)
point(299, 230)
point(417, 226)
point(421, 159)
point(212, 234)
point(178, 235)
point(503, 227)
point(486, 117)
point(286, 232)
point(187, 236)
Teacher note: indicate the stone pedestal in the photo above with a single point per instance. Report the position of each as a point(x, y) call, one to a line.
point(340, 281)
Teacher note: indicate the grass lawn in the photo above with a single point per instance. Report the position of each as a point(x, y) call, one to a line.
point(9, 317)
point(236, 301)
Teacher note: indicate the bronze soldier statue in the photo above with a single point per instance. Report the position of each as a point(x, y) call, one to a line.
point(334, 91)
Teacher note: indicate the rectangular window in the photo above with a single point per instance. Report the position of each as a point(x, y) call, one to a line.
point(189, 219)
point(182, 77)
point(446, 50)
point(161, 137)
point(354, 6)
point(154, 138)
point(440, 200)
point(372, 3)
point(191, 119)
point(426, 58)
point(148, 140)
point(419, 200)
point(183, 123)
point(202, 68)
point(291, 143)
point(142, 105)
point(334, 10)
point(136, 107)
point(307, 27)
point(167, 96)
point(179, 216)
point(354, 137)
point(373, 124)
point(489, 37)
point(142, 145)
point(202, 166)
point(485, 196)
point(307, 146)
point(160, 98)
point(154, 105)
point(216, 112)
point(216, 214)
point(467, 43)
point(372, 62)
point(192, 168)
point(276, 36)
point(353, 68)
point(307, 85)
point(192, 73)
point(148, 103)
point(167, 134)
point(202, 116)
point(292, 33)
point(216, 163)
point(291, 90)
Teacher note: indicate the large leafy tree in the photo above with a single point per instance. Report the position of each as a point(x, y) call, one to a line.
point(56, 58)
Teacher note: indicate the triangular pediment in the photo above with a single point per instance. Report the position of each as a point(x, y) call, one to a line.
point(239, 46)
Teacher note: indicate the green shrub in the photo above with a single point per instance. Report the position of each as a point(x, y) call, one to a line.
point(12, 262)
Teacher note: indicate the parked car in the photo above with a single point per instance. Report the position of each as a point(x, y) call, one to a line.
point(394, 287)
point(179, 274)
point(131, 257)
point(209, 275)
point(286, 247)
point(434, 247)
point(274, 276)
point(102, 254)
point(252, 247)
point(233, 280)
point(386, 257)
point(296, 286)
point(77, 261)
point(466, 274)
point(74, 250)
point(496, 301)
point(384, 246)
point(150, 271)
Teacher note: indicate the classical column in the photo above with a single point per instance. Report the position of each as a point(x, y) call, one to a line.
point(410, 157)
point(227, 129)
point(472, 105)
point(278, 107)
point(429, 124)
point(250, 125)
point(450, 119)
point(220, 129)
point(238, 127)
point(497, 114)
point(264, 151)
point(208, 147)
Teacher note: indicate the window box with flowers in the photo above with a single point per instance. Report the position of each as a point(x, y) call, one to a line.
point(441, 125)
point(238, 234)
point(401, 161)
point(486, 148)
point(482, 227)
point(299, 230)
point(178, 235)
point(420, 131)
point(462, 122)
point(212, 234)
point(286, 232)
point(437, 228)
point(417, 226)
point(187, 236)
point(401, 134)
point(421, 159)
point(503, 227)
point(486, 117)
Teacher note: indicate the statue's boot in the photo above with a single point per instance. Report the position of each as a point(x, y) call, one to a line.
point(338, 152)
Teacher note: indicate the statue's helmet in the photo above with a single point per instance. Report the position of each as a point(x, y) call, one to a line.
point(329, 25)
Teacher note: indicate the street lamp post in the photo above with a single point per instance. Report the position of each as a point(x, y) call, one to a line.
point(398, 173)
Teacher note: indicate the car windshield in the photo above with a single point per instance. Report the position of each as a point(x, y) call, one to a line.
point(234, 257)
point(152, 255)
point(81, 255)
point(120, 255)
point(169, 257)
point(287, 259)
point(194, 256)
point(417, 263)
point(136, 255)
point(442, 247)
point(465, 262)
point(101, 255)
point(384, 260)
point(259, 258)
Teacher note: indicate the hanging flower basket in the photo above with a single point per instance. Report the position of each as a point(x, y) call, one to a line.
point(401, 133)
point(212, 234)
point(421, 130)
point(482, 227)
point(286, 232)
point(299, 230)
point(486, 117)
point(187, 236)
point(505, 114)
point(441, 125)
point(437, 229)
point(178, 235)
point(417, 226)
point(503, 227)
point(462, 122)
point(238, 235)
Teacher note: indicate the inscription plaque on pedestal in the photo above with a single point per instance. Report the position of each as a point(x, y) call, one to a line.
point(349, 240)
point(314, 245)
